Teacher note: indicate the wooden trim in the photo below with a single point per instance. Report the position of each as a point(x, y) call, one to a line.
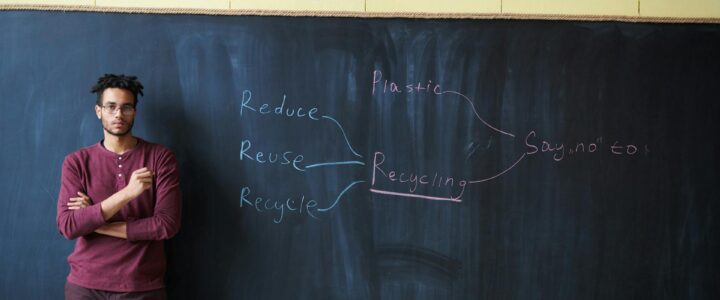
point(351, 14)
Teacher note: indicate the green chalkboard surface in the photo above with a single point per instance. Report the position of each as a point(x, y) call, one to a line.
point(352, 158)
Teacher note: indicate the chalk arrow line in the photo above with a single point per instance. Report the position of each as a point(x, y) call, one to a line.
point(335, 163)
point(340, 196)
point(344, 134)
point(472, 105)
point(501, 173)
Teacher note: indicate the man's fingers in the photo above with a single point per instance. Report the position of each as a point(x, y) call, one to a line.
point(144, 177)
point(141, 170)
point(79, 201)
point(144, 174)
point(76, 205)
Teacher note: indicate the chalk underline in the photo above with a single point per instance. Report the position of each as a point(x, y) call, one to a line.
point(457, 200)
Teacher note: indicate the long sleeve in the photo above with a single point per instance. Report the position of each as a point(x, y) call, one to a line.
point(134, 259)
point(75, 223)
point(165, 221)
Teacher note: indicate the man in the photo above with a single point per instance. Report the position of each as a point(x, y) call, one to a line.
point(119, 199)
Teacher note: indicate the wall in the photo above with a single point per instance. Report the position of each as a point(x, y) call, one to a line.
point(624, 8)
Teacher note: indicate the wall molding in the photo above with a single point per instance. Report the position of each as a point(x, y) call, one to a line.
point(349, 14)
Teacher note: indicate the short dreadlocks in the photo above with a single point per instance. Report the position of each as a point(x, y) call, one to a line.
point(129, 83)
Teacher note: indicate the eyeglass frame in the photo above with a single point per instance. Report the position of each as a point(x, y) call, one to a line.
point(125, 110)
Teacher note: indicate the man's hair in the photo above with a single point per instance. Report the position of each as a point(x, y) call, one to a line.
point(121, 81)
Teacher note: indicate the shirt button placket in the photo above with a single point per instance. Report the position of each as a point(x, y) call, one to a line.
point(120, 181)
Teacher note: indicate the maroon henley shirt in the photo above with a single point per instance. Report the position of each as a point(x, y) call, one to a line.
point(113, 264)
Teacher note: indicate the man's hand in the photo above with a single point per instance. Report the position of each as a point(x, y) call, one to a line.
point(81, 201)
point(140, 180)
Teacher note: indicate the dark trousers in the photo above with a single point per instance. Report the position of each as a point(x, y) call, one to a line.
point(75, 292)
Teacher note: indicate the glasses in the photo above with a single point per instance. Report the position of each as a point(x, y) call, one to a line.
point(125, 110)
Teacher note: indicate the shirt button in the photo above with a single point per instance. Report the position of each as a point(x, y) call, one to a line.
point(119, 166)
point(119, 157)
point(119, 175)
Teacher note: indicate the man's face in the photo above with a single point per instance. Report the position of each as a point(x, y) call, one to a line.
point(119, 121)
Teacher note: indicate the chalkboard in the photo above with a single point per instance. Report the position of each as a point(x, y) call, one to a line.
point(352, 158)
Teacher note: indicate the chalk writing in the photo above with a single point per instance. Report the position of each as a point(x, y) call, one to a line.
point(386, 179)
point(287, 157)
point(411, 181)
point(394, 88)
point(279, 110)
point(300, 205)
point(628, 149)
point(297, 205)
point(561, 151)
point(419, 87)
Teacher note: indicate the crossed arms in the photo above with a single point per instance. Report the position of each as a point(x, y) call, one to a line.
point(77, 217)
